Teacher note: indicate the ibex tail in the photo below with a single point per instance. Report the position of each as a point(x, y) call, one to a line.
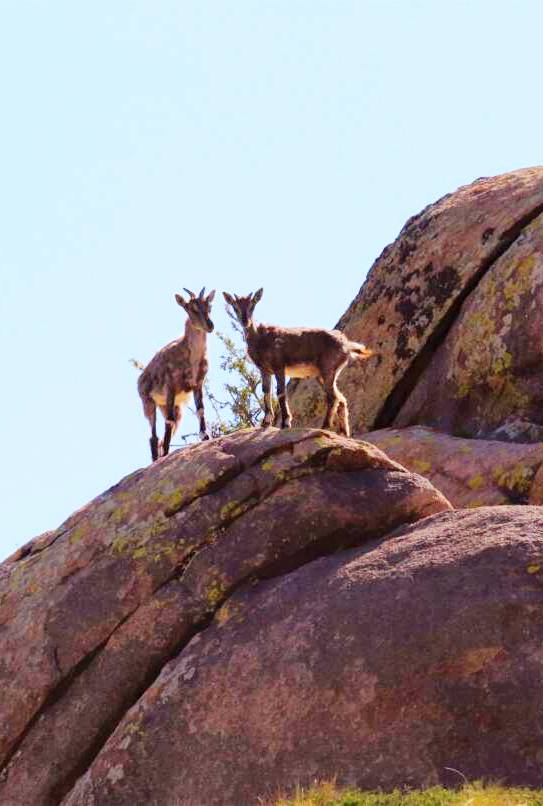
point(359, 350)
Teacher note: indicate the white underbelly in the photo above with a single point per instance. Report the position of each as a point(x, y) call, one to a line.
point(180, 398)
point(302, 371)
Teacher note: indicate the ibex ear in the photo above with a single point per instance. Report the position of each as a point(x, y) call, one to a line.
point(257, 296)
point(180, 301)
point(228, 298)
point(211, 296)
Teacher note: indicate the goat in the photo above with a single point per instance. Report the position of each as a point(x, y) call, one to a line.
point(299, 353)
point(175, 371)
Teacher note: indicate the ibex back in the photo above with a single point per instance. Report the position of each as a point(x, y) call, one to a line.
point(297, 353)
point(176, 371)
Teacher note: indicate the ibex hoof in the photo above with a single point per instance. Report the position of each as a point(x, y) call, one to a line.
point(204, 437)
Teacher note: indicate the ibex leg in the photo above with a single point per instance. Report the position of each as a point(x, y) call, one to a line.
point(149, 409)
point(336, 403)
point(199, 403)
point(268, 409)
point(332, 401)
point(343, 416)
point(286, 419)
point(171, 421)
point(343, 409)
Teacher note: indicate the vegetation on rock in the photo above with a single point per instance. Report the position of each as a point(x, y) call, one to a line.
point(243, 406)
point(476, 794)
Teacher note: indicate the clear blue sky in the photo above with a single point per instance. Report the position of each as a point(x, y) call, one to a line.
point(147, 146)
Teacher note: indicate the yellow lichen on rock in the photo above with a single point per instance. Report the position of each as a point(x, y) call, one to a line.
point(476, 482)
point(461, 275)
point(421, 466)
point(486, 371)
point(471, 472)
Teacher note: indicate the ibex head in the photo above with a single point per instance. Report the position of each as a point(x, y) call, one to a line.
point(198, 309)
point(244, 307)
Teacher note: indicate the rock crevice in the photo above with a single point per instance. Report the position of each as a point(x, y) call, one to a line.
point(407, 383)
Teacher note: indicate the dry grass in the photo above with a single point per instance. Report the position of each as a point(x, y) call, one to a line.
point(476, 794)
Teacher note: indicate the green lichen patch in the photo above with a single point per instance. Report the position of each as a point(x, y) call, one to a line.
point(78, 533)
point(230, 611)
point(474, 503)
point(156, 550)
point(295, 473)
point(476, 482)
point(130, 541)
point(517, 479)
point(120, 544)
point(484, 361)
point(171, 497)
point(519, 282)
point(120, 515)
point(421, 466)
point(233, 509)
point(132, 730)
point(215, 593)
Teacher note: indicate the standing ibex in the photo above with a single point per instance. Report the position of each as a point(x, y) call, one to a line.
point(299, 353)
point(176, 370)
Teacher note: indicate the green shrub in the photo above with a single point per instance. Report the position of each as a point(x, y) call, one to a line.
point(476, 794)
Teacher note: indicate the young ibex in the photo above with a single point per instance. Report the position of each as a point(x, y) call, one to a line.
point(176, 370)
point(299, 353)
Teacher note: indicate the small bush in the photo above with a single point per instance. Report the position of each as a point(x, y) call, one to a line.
point(476, 794)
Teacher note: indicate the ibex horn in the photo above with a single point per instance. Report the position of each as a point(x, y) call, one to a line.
point(192, 294)
point(202, 292)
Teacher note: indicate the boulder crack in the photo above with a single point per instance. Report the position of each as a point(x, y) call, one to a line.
point(403, 388)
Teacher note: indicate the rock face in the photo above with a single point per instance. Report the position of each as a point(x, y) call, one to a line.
point(489, 368)
point(90, 613)
point(470, 472)
point(452, 308)
point(383, 666)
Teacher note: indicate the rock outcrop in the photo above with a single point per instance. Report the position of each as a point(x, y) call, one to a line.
point(274, 606)
point(453, 310)
point(470, 472)
point(489, 369)
point(90, 613)
point(384, 666)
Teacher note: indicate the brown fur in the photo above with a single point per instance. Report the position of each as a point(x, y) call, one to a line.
point(297, 352)
point(176, 371)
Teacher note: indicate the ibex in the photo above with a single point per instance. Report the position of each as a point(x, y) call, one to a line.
point(175, 371)
point(299, 353)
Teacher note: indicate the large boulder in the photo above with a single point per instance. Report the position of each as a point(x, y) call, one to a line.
point(470, 472)
point(386, 666)
point(489, 369)
point(90, 613)
point(452, 310)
